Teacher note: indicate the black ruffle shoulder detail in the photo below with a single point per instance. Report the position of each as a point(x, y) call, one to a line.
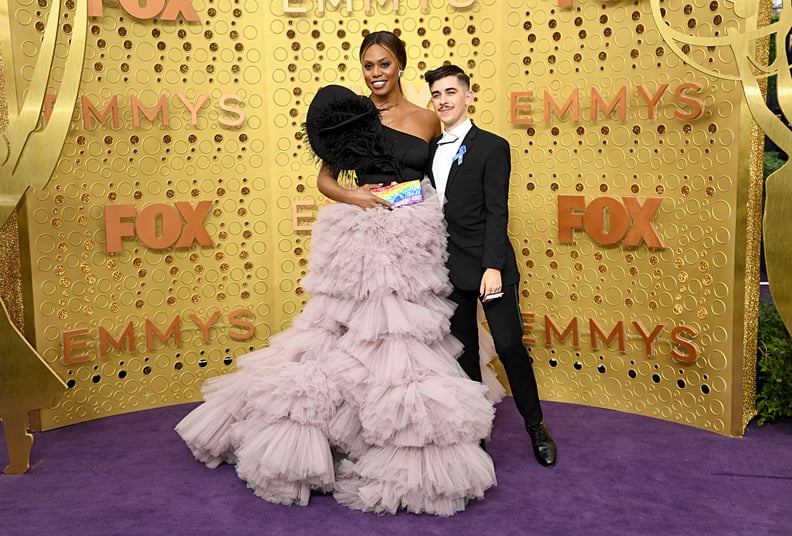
point(345, 132)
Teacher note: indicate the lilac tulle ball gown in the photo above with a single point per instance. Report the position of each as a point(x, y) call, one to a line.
point(362, 396)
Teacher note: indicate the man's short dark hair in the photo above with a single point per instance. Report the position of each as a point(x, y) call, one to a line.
point(448, 70)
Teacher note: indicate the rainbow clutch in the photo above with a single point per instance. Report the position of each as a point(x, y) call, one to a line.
point(400, 194)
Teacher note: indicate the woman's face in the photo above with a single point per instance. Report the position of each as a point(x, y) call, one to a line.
point(380, 70)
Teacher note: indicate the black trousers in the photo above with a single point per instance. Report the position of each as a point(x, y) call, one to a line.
point(506, 325)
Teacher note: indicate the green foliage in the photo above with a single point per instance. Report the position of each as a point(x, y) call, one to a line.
point(772, 161)
point(773, 367)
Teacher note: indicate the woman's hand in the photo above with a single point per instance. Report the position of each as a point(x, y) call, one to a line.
point(327, 182)
point(363, 197)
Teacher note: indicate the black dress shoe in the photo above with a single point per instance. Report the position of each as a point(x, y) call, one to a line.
point(543, 445)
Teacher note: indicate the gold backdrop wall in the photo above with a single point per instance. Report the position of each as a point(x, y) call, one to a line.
point(186, 155)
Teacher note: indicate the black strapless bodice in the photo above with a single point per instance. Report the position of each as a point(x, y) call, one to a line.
point(411, 153)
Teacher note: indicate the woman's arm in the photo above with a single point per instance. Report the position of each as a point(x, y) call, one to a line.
point(327, 182)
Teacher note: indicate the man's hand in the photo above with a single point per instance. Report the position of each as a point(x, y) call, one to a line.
point(490, 282)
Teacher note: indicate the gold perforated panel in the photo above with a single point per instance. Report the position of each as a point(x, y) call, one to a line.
point(210, 111)
point(190, 310)
point(696, 166)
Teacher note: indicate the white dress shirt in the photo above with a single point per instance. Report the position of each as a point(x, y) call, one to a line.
point(447, 148)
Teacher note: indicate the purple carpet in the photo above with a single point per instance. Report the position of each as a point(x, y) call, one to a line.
point(617, 474)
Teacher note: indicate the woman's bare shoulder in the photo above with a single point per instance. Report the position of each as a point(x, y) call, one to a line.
point(423, 122)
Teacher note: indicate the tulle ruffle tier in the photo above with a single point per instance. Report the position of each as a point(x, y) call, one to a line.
point(363, 395)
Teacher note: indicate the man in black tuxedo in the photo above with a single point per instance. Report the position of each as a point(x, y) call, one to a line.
point(470, 168)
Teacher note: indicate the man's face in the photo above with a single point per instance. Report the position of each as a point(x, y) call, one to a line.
point(450, 100)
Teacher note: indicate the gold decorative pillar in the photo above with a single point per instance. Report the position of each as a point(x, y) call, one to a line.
point(28, 154)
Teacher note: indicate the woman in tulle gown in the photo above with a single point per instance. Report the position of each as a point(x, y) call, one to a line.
point(362, 396)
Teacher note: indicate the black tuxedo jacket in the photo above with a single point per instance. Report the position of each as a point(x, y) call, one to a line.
point(477, 212)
